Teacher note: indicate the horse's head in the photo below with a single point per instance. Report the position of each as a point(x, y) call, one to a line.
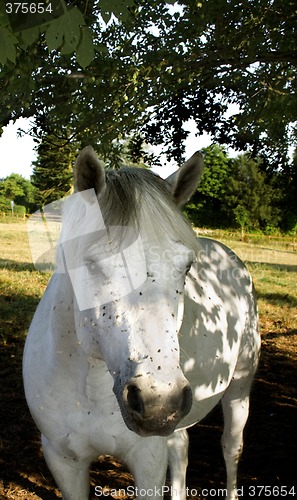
point(129, 281)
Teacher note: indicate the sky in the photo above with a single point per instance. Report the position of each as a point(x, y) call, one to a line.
point(17, 153)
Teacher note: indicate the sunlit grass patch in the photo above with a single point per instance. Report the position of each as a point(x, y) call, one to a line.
point(21, 285)
point(274, 272)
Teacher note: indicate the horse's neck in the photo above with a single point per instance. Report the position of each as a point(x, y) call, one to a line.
point(64, 351)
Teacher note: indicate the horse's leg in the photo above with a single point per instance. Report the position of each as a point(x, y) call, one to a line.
point(178, 444)
point(72, 477)
point(148, 463)
point(235, 403)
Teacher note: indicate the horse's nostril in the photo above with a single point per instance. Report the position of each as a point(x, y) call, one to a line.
point(186, 400)
point(134, 399)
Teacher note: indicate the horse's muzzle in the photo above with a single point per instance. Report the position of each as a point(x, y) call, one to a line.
point(152, 409)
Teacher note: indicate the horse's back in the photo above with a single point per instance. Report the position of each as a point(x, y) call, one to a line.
point(220, 325)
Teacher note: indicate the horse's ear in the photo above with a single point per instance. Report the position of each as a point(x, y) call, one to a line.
point(89, 171)
point(184, 181)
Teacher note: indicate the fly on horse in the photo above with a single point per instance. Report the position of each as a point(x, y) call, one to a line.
point(142, 329)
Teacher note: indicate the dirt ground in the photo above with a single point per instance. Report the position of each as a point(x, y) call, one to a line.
point(269, 457)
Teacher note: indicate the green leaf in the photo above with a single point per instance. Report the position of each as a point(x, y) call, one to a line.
point(105, 16)
point(119, 8)
point(85, 50)
point(4, 19)
point(100, 47)
point(64, 32)
point(29, 36)
point(54, 34)
point(7, 45)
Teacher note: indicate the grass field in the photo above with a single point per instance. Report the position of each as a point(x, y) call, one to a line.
point(273, 265)
point(21, 286)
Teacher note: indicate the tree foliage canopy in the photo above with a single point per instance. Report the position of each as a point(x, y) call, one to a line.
point(235, 192)
point(251, 196)
point(53, 169)
point(19, 190)
point(154, 66)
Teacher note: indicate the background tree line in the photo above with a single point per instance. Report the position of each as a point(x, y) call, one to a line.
point(233, 192)
point(237, 192)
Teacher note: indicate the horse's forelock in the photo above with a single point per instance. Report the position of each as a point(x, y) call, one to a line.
point(137, 197)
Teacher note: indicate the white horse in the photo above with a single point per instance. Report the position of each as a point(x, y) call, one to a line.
point(142, 329)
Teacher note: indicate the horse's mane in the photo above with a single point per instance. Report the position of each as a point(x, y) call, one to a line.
point(134, 197)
